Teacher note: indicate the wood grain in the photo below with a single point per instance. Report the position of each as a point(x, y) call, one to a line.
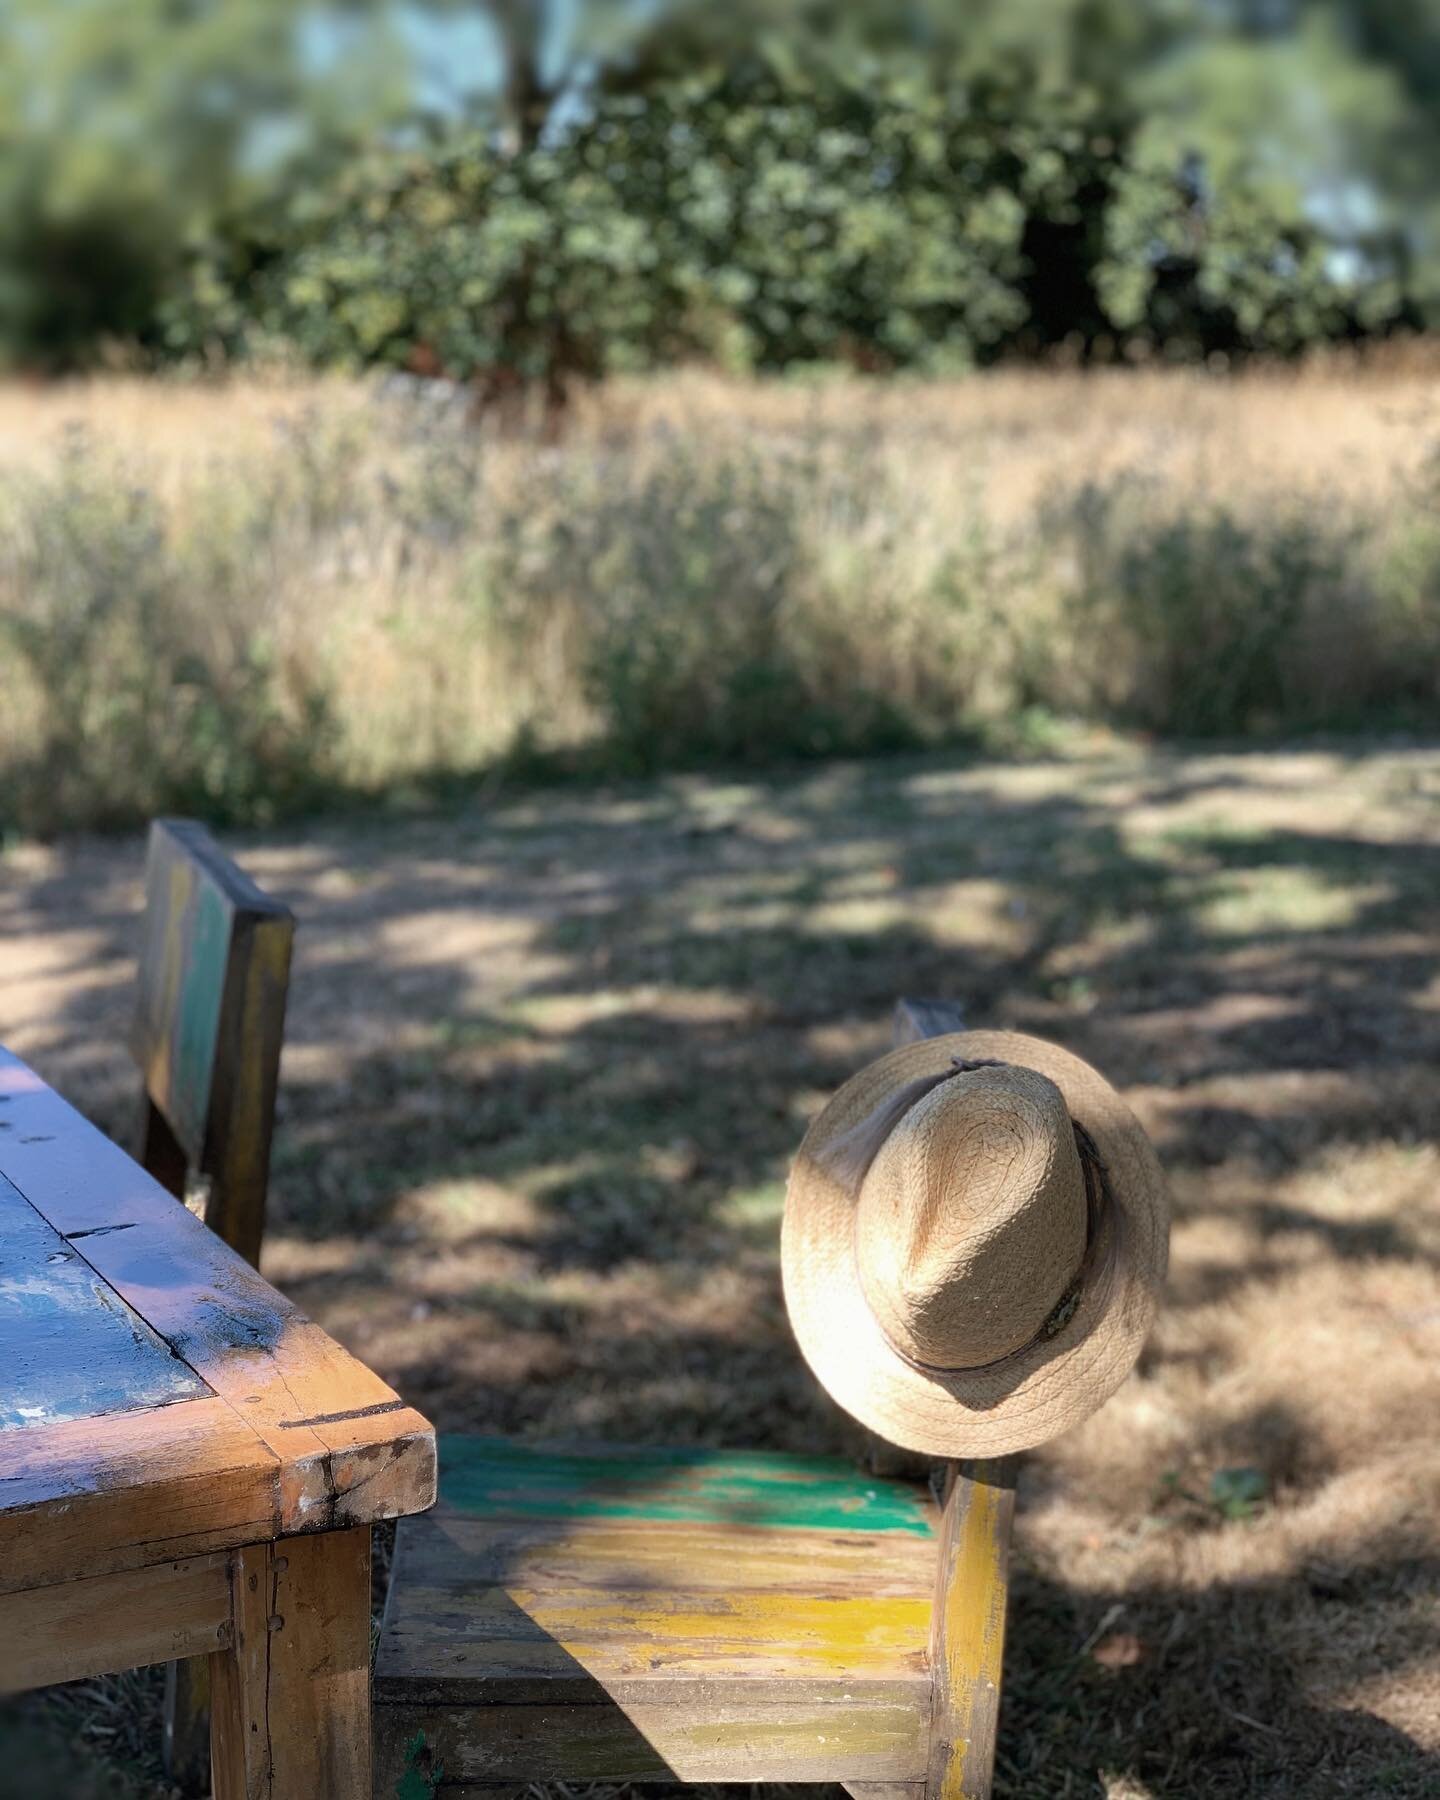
point(695, 1615)
point(210, 1018)
point(71, 1629)
point(968, 1649)
point(146, 1488)
point(290, 1693)
point(293, 1436)
point(346, 1450)
point(729, 1739)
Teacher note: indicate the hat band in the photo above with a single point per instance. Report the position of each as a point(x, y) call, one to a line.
point(850, 1162)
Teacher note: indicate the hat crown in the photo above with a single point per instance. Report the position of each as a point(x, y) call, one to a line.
point(972, 1218)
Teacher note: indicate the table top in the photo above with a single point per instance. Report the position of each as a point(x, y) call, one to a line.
point(158, 1398)
point(69, 1345)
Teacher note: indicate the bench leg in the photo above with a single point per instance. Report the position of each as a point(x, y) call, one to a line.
point(290, 1695)
point(968, 1632)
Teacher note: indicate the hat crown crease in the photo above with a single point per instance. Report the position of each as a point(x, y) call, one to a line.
point(971, 1220)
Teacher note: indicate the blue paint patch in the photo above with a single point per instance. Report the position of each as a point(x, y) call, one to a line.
point(70, 1346)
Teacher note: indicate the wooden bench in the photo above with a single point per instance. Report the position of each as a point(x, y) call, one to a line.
point(658, 1615)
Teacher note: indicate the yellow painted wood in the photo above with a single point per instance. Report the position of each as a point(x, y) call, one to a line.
point(551, 1607)
point(458, 1554)
point(611, 1634)
point(968, 1651)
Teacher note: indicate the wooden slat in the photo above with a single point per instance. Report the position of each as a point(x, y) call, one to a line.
point(492, 1478)
point(108, 1622)
point(350, 1451)
point(240, 1681)
point(709, 1739)
point(531, 1636)
point(453, 1552)
point(201, 914)
point(70, 1347)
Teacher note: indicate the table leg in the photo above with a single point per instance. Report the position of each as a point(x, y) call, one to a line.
point(290, 1695)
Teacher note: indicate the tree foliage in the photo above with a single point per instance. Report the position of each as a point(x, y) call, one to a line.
point(897, 185)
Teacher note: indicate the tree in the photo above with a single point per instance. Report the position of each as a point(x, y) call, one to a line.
point(126, 130)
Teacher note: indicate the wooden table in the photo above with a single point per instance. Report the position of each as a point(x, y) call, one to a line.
point(187, 1464)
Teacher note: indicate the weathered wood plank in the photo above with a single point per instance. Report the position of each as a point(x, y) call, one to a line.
point(538, 1609)
point(70, 1347)
point(968, 1650)
point(291, 1691)
point(709, 1739)
point(455, 1553)
point(493, 1478)
point(93, 1627)
point(517, 1634)
point(198, 907)
point(350, 1451)
point(142, 1488)
point(240, 1681)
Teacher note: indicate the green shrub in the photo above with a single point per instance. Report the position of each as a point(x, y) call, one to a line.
point(1186, 619)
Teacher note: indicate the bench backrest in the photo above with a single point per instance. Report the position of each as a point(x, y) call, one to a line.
point(214, 969)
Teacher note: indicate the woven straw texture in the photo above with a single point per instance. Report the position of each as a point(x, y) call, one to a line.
point(943, 1290)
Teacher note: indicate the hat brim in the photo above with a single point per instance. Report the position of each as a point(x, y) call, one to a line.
point(1039, 1391)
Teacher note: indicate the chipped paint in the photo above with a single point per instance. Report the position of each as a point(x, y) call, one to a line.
point(70, 1346)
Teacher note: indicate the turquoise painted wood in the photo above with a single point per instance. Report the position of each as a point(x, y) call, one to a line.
point(70, 1347)
point(692, 1486)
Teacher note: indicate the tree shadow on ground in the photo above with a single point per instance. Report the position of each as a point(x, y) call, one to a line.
point(547, 1064)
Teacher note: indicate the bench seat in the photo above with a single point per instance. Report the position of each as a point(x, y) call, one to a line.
point(662, 1614)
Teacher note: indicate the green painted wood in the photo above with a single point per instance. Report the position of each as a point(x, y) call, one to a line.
point(693, 1486)
point(70, 1347)
point(191, 1024)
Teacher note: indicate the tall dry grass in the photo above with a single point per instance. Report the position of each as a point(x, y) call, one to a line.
point(243, 599)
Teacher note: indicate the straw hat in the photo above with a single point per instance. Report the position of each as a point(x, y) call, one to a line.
point(975, 1239)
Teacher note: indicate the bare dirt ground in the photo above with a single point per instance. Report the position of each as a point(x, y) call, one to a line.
point(547, 1060)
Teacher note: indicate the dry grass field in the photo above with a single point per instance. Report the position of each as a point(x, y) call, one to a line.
point(262, 597)
point(549, 1054)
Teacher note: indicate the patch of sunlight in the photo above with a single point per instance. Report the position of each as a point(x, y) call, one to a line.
point(745, 915)
point(446, 1210)
point(1357, 1183)
point(1124, 1787)
point(749, 1209)
point(451, 935)
point(856, 917)
point(981, 914)
point(704, 794)
point(1283, 899)
point(1206, 828)
point(767, 826)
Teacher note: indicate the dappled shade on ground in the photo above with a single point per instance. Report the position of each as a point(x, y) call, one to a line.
point(547, 1062)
